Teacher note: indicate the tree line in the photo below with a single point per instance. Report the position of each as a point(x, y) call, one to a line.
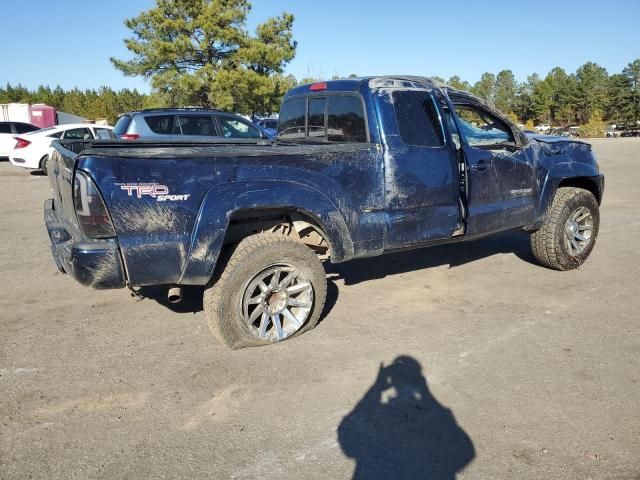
point(92, 104)
point(560, 98)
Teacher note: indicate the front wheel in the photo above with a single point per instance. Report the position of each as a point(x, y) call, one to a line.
point(270, 289)
point(569, 233)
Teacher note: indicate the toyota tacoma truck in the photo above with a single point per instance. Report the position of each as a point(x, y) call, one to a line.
point(360, 167)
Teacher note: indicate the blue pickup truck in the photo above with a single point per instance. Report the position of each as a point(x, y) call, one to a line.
point(360, 167)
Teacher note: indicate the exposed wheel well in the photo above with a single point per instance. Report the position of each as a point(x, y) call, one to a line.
point(585, 183)
point(288, 221)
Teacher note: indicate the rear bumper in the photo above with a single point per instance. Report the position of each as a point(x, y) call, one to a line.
point(24, 160)
point(94, 263)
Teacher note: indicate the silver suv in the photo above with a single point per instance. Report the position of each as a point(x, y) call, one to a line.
point(184, 124)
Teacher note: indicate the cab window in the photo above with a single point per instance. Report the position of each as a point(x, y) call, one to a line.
point(317, 127)
point(345, 119)
point(418, 119)
point(331, 118)
point(291, 124)
point(483, 129)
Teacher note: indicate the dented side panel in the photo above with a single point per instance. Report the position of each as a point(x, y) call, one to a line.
point(421, 183)
point(562, 161)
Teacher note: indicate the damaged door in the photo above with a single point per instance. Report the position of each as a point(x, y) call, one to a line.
point(421, 178)
point(501, 173)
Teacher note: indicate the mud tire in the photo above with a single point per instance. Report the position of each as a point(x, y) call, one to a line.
point(548, 243)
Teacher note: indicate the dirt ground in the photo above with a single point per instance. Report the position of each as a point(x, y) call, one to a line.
point(465, 360)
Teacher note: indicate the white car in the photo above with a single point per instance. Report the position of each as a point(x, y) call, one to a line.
point(31, 150)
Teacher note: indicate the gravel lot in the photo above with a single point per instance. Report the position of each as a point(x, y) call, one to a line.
point(504, 369)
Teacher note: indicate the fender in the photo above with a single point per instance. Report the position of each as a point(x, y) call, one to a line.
point(220, 202)
point(556, 175)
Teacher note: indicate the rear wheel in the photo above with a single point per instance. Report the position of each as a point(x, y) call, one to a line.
point(43, 164)
point(270, 288)
point(569, 233)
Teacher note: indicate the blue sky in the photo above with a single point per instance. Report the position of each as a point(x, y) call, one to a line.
point(70, 42)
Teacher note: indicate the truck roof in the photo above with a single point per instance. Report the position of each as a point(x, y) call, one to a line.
point(354, 84)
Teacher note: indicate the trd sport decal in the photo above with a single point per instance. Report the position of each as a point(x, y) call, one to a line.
point(159, 192)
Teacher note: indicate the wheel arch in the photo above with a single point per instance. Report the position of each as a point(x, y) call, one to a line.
point(567, 175)
point(241, 203)
point(586, 183)
point(288, 220)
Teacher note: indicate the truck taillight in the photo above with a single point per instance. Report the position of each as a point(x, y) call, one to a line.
point(316, 87)
point(91, 212)
point(130, 136)
point(21, 142)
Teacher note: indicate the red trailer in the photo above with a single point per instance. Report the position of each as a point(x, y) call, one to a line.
point(42, 115)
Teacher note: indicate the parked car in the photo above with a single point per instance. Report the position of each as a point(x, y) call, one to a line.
point(269, 125)
point(361, 167)
point(8, 131)
point(31, 150)
point(571, 132)
point(170, 124)
point(545, 127)
point(630, 133)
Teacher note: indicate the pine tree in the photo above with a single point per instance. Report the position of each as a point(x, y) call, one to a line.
point(505, 91)
point(632, 72)
point(198, 52)
point(485, 87)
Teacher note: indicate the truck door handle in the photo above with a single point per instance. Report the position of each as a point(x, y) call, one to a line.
point(481, 165)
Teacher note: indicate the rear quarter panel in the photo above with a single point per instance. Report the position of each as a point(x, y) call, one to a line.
point(178, 241)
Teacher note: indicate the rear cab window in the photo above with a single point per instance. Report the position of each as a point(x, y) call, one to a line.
point(334, 118)
point(291, 124)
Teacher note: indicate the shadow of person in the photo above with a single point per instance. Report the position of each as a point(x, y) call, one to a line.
point(399, 430)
